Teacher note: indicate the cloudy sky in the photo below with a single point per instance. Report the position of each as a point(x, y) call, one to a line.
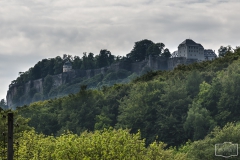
point(35, 29)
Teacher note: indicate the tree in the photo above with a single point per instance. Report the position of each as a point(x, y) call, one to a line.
point(166, 53)
point(160, 46)
point(3, 104)
point(193, 81)
point(77, 62)
point(139, 51)
point(104, 58)
point(58, 65)
point(153, 50)
point(199, 122)
point(223, 50)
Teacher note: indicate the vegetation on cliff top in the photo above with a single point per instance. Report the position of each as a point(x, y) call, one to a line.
point(46, 68)
point(53, 66)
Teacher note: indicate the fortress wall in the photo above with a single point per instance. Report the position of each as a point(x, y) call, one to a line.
point(175, 61)
point(138, 66)
point(80, 73)
point(125, 65)
point(115, 67)
point(161, 63)
point(156, 63)
point(190, 61)
point(119, 65)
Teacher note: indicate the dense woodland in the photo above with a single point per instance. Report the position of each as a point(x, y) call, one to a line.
point(179, 114)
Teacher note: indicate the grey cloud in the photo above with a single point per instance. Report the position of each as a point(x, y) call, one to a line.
point(31, 30)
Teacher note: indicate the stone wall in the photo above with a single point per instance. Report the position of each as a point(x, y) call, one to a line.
point(155, 63)
point(138, 66)
point(158, 63)
point(174, 62)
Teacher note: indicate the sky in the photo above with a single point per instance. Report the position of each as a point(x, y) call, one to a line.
point(31, 30)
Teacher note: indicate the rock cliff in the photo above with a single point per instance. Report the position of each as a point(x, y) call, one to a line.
point(153, 63)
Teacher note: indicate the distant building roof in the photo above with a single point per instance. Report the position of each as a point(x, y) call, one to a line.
point(67, 63)
point(209, 53)
point(189, 42)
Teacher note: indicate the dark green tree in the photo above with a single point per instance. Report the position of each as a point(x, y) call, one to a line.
point(139, 51)
point(166, 53)
point(3, 104)
point(194, 79)
point(153, 50)
point(199, 122)
point(223, 50)
point(104, 58)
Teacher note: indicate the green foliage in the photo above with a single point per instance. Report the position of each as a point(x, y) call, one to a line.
point(106, 145)
point(37, 97)
point(139, 109)
point(185, 103)
point(20, 125)
point(139, 51)
point(3, 104)
point(194, 79)
point(222, 51)
point(198, 122)
point(154, 50)
point(166, 53)
point(104, 58)
point(205, 149)
point(142, 49)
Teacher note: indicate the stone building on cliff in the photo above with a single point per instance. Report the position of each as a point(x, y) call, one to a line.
point(67, 66)
point(188, 52)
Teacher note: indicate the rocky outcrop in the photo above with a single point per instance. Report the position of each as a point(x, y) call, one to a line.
point(154, 63)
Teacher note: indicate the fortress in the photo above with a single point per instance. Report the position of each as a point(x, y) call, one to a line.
point(188, 52)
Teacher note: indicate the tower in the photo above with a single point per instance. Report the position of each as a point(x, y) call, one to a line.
point(67, 66)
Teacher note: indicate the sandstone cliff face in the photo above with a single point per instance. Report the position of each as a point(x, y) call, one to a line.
point(154, 63)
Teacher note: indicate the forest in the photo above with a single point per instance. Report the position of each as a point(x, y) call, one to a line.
point(178, 114)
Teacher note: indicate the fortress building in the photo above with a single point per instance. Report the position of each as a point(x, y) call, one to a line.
point(191, 50)
point(188, 52)
point(209, 54)
point(67, 66)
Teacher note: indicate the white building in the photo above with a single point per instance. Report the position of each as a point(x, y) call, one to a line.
point(209, 54)
point(67, 66)
point(191, 50)
point(175, 54)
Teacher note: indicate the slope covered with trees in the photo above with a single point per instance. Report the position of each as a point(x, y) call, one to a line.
point(189, 109)
point(187, 103)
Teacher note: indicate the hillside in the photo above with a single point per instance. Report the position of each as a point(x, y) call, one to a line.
point(189, 103)
point(156, 103)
